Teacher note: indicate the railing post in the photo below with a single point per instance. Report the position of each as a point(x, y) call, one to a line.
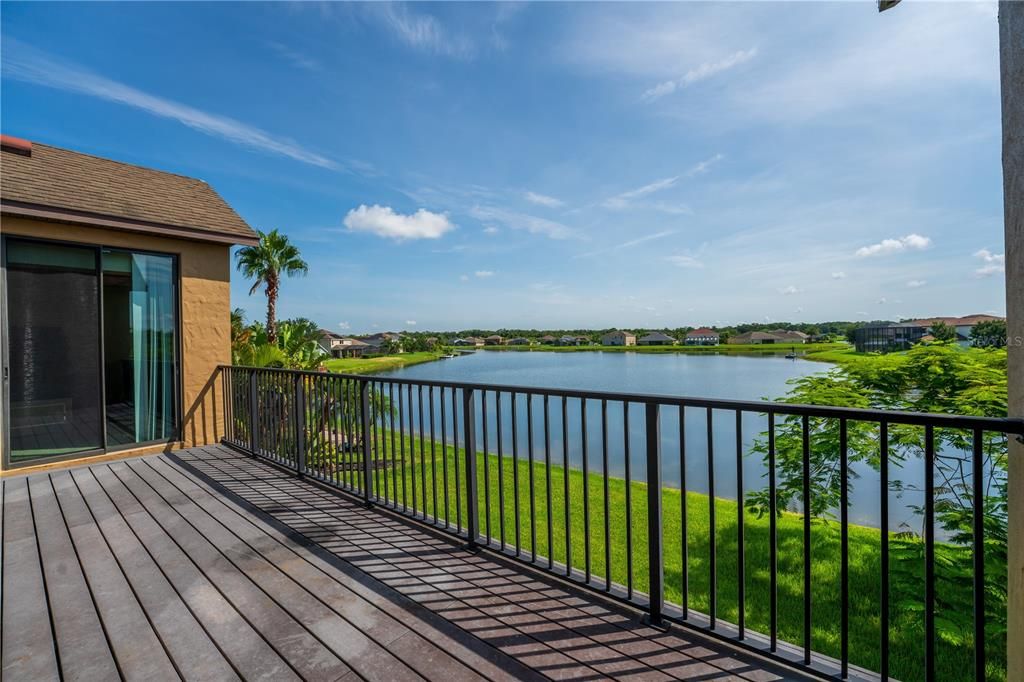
point(254, 442)
point(364, 409)
point(300, 424)
point(469, 445)
point(652, 431)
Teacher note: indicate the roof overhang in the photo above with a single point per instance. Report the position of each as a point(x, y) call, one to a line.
point(56, 214)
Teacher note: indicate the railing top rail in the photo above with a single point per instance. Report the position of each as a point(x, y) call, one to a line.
point(1008, 425)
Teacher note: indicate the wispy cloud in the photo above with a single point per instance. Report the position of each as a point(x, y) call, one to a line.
point(25, 63)
point(684, 261)
point(411, 323)
point(543, 200)
point(420, 30)
point(383, 221)
point(912, 242)
point(623, 200)
point(344, 325)
point(630, 243)
point(295, 58)
point(484, 274)
point(839, 275)
point(523, 221)
point(994, 263)
point(916, 283)
point(699, 73)
point(790, 290)
point(703, 166)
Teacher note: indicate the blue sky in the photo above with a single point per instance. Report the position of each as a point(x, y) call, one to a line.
point(447, 166)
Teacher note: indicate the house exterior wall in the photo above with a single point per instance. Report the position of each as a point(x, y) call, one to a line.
point(1011, 58)
point(205, 313)
point(618, 339)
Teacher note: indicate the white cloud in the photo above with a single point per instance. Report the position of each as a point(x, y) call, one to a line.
point(912, 242)
point(699, 73)
point(790, 290)
point(491, 229)
point(543, 200)
point(421, 31)
point(916, 283)
point(483, 274)
point(383, 221)
point(704, 165)
point(630, 243)
point(25, 63)
point(623, 200)
point(526, 222)
point(411, 323)
point(994, 263)
point(297, 59)
point(839, 275)
point(881, 301)
point(684, 261)
point(344, 325)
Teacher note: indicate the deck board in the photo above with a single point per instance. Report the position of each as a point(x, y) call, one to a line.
point(209, 564)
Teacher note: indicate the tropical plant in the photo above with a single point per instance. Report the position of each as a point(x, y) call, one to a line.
point(940, 377)
point(989, 334)
point(943, 332)
point(265, 263)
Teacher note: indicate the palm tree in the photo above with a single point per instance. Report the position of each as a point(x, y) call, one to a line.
point(265, 263)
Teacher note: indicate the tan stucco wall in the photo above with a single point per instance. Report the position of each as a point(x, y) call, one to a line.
point(205, 312)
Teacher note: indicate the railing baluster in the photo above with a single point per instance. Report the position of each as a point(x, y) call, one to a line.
point(549, 511)
point(393, 453)
point(364, 401)
point(515, 471)
point(773, 540)
point(469, 446)
point(741, 572)
point(487, 470)
point(433, 453)
point(444, 461)
point(806, 476)
point(712, 526)
point(455, 460)
point(607, 511)
point(586, 488)
point(655, 564)
point(684, 524)
point(629, 502)
point(844, 552)
point(423, 452)
point(412, 453)
point(565, 479)
point(978, 541)
point(254, 417)
point(501, 469)
point(401, 449)
point(299, 408)
point(883, 522)
point(533, 502)
point(929, 552)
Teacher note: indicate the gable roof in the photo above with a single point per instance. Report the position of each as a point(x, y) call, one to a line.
point(657, 336)
point(703, 331)
point(49, 183)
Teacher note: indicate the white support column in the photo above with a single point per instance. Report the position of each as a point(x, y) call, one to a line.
point(1011, 58)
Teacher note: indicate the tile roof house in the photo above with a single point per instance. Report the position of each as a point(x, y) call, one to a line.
point(101, 258)
point(656, 339)
point(769, 337)
point(341, 346)
point(618, 338)
point(493, 340)
point(703, 336)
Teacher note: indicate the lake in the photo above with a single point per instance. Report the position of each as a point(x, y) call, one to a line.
point(708, 376)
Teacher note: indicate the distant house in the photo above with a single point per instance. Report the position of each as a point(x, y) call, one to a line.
point(887, 338)
point(473, 341)
point(493, 340)
point(656, 339)
point(376, 342)
point(769, 337)
point(548, 340)
point(703, 336)
point(341, 346)
point(963, 325)
point(519, 341)
point(618, 338)
point(569, 340)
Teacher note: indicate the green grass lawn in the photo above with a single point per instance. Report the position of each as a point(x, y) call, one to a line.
point(800, 348)
point(906, 638)
point(379, 364)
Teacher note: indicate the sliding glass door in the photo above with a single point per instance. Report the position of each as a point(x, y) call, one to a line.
point(92, 343)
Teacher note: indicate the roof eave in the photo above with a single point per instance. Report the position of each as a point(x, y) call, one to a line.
point(65, 215)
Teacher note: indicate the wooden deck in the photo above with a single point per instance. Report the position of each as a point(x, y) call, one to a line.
point(208, 564)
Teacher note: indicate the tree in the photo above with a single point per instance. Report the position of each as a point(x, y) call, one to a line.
point(265, 263)
point(989, 334)
point(943, 332)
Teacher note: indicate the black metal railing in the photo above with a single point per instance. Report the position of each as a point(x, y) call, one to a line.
point(595, 486)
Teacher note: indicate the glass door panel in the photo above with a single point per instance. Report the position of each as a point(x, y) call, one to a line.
point(54, 350)
point(139, 333)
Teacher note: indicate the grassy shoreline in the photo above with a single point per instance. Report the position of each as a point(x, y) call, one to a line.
point(379, 364)
point(417, 469)
point(721, 349)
